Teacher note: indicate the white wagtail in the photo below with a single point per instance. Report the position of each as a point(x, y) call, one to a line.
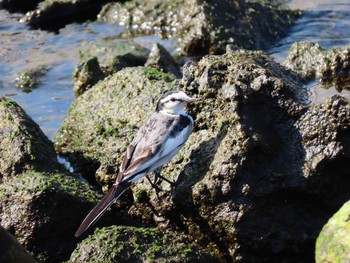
point(157, 141)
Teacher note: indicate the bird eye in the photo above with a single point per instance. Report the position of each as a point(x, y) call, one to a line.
point(172, 99)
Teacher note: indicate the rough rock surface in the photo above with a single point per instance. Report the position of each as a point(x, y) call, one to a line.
point(54, 14)
point(102, 58)
point(130, 244)
point(333, 243)
point(19, 5)
point(259, 176)
point(23, 146)
point(160, 59)
point(43, 210)
point(40, 204)
point(315, 62)
point(202, 27)
point(11, 251)
point(86, 75)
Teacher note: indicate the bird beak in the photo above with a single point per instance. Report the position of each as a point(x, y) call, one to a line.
point(192, 99)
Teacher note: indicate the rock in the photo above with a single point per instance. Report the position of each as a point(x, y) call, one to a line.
point(115, 55)
point(86, 75)
point(30, 79)
point(160, 59)
point(54, 14)
point(102, 58)
point(259, 176)
point(125, 99)
point(18, 5)
point(314, 62)
point(23, 146)
point(11, 251)
point(43, 210)
point(130, 244)
point(202, 27)
point(333, 242)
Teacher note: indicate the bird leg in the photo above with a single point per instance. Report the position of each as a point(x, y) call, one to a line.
point(157, 176)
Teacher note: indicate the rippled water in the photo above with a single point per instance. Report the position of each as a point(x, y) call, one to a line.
point(325, 22)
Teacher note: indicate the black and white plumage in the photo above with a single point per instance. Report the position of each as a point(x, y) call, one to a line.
point(157, 141)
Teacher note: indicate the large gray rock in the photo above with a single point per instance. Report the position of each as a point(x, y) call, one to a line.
point(23, 146)
point(202, 27)
point(43, 210)
point(40, 203)
point(258, 177)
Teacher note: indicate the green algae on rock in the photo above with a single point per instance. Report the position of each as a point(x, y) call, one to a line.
point(34, 207)
point(333, 243)
point(312, 61)
point(202, 27)
point(86, 75)
point(30, 79)
point(99, 59)
point(259, 175)
point(115, 55)
point(23, 146)
point(131, 244)
point(160, 59)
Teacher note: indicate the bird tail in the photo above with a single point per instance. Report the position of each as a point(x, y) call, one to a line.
point(95, 214)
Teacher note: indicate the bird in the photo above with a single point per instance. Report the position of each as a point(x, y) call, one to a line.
point(155, 143)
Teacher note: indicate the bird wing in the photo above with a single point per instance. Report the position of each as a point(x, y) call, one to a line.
point(157, 142)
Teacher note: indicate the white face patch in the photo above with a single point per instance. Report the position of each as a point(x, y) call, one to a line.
point(176, 97)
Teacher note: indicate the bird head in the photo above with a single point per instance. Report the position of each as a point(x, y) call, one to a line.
point(173, 102)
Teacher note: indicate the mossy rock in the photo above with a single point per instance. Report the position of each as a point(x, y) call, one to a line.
point(23, 146)
point(115, 55)
point(131, 244)
point(202, 27)
point(313, 61)
point(333, 243)
point(43, 210)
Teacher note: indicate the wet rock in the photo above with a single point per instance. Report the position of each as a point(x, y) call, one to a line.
point(11, 251)
point(333, 242)
point(30, 79)
point(23, 146)
point(160, 59)
point(130, 244)
point(86, 75)
point(102, 58)
point(115, 55)
point(55, 14)
point(259, 176)
point(314, 62)
point(125, 99)
point(43, 210)
point(202, 27)
point(18, 5)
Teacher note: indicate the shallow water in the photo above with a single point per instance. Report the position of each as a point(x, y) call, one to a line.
point(325, 22)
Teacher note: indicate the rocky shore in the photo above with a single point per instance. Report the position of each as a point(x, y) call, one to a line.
point(259, 178)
